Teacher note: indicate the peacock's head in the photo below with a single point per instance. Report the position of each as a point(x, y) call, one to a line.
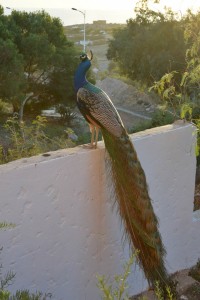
point(83, 67)
point(84, 56)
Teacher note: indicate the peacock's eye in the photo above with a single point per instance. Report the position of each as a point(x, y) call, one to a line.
point(83, 56)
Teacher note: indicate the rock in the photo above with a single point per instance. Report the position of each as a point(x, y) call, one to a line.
point(185, 285)
point(184, 281)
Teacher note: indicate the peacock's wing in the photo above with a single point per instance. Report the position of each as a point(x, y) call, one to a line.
point(95, 105)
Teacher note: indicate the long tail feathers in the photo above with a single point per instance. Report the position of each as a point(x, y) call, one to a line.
point(135, 208)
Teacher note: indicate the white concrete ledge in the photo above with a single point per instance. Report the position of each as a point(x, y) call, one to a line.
point(66, 231)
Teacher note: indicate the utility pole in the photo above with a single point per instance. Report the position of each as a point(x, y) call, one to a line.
point(83, 13)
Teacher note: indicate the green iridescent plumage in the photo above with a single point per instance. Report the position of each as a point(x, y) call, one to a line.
point(131, 190)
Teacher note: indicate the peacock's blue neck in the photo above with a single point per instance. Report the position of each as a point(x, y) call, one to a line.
point(80, 74)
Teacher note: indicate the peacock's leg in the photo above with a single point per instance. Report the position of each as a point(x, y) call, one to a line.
point(96, 136)
point(92, 130)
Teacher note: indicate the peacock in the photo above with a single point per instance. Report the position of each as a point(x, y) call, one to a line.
point(131, 190)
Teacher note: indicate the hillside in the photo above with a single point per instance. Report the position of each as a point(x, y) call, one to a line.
point(125, 95)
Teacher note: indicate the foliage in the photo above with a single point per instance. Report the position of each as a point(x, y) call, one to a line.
point(4, 108)
point(194, 272)
point(151, 45)
point(186, 90)
point(7, 279)
point(116, 290)
point(26, 295)
point(162, 117)
point(165, 293)
point(28, 140)
point(5, 294)
point(35, 57)
point(12, 79)
point(183, 95)
point(165, 87)
point(5, 225)
point(84, 138)
point(143, 125)
point(67, 114)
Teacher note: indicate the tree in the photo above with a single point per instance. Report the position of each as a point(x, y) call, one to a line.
point(191, 77)
point(184, 95)
point(186, 91)
point(12, 79)
point(151, 45)
point(43, 56)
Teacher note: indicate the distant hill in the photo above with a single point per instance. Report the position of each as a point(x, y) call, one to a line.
point(97, 33)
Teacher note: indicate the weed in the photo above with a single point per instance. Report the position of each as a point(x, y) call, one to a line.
point(28, 140)
point(7, 279)
point(116, 290)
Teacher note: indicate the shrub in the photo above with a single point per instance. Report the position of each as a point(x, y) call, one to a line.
point(6, 281)
point(162, 117)
point(67, 114)
point(26, 141)
point(117, 290)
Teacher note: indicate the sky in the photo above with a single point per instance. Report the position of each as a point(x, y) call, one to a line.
point(114, 11)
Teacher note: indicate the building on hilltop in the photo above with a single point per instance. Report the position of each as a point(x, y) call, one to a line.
point(99, 23)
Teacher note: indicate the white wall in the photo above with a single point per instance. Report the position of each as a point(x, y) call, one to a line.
point(66, 231)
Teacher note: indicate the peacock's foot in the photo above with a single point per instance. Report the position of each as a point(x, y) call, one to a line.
point(89, 146)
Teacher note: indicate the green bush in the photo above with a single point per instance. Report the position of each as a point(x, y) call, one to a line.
point(143, 125)
point(118, 289)
point(67, 114)
point(162, 117)
point(28, 140)
point(4, 107)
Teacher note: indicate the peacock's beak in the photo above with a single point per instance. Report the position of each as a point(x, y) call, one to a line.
point(90, 56)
